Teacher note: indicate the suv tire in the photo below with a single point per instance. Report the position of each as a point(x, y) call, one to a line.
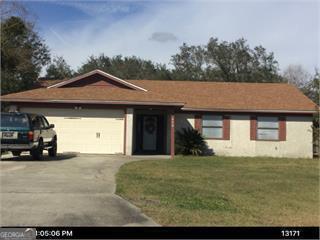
point(16, 153)
point(37, 153)
point(53, 150)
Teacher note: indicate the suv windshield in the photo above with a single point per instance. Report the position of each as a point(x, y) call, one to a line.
point(14, 121)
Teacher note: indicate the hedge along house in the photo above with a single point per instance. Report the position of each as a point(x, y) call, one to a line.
point(100, 113)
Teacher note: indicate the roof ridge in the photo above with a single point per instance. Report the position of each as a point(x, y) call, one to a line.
point(203, 81)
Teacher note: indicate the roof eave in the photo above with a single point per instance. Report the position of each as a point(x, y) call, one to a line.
point(249, 110)
point(115, 102)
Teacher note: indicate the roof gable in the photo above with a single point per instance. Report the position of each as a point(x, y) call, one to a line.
point(97, 78)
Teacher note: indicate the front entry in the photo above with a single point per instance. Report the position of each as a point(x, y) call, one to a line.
point(150, 137)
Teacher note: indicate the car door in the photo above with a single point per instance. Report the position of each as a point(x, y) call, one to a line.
point(51, 133)
point(36, 125)
point(45, 130)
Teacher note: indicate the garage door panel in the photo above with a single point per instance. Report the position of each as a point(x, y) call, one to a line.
point(73, 113)
point(86, 130)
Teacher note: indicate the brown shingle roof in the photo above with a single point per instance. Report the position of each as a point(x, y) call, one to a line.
point(195, 95)
point(231, 95)
point(49, 82)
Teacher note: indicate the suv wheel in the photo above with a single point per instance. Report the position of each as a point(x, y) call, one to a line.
point(53, 150)
point(37, 153)
point(16, 153)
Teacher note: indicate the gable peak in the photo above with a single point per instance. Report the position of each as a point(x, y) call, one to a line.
point(101, 73)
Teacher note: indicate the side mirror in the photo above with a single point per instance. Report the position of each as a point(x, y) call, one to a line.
point(51, 126)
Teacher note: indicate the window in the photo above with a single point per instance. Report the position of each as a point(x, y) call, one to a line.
point(36, 122)
point(268, 128)
point(212, 126)
point(11, 120)
point(45, 123)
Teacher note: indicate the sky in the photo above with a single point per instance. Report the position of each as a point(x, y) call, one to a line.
point(155, 29)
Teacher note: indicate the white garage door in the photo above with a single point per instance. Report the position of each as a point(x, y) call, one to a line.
point(86, 130)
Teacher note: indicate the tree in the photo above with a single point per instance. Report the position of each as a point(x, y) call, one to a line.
point(13, 8)
point(297, 75)
point(23, 55)
point(189, 64)
point(312, 90)
point(126, 67)
point(225, 61)
point(302, 79)
point(264, 66)
point(58, 69)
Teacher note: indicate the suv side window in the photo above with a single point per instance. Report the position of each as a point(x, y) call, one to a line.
point(44, 122)
point(37, 123)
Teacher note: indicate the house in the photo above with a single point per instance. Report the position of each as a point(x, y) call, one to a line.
point(100, 113)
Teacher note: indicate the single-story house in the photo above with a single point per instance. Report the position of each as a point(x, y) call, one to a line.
point(100, 113)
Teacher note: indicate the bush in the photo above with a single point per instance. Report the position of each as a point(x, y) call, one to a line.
point(190, 142)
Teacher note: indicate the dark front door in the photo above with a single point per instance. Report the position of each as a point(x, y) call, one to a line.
point(150, 134)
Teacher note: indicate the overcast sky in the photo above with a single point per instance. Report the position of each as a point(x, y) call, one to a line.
point(155, 29)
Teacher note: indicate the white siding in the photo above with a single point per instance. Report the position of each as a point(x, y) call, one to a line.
point(77, 129)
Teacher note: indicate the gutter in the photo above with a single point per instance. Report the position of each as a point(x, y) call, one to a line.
point(176, 104)
point(248, 110)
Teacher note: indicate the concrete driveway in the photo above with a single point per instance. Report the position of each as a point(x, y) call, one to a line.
point(69, 190)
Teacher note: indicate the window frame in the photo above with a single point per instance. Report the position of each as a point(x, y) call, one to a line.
point(213, 127)
point(267, 128)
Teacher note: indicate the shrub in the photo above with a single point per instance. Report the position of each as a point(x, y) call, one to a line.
point(189, 142)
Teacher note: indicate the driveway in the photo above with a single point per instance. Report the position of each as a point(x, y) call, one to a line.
point(69, 190)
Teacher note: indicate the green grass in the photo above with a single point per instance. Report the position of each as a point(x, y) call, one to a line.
point(224, 191)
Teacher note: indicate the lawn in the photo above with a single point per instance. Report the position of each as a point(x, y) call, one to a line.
point(224, 191)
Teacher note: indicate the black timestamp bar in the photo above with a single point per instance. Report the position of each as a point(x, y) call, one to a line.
point(177, 232)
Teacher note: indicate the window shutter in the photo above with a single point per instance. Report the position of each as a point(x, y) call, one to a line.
point(253, 128)
point(197, 123)
point(282, 128)
point(226, 128)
